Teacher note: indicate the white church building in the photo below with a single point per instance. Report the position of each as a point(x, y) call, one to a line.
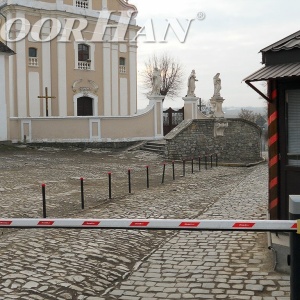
point(68, 73)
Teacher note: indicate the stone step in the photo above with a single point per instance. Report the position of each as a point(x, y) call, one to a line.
point(154, 147)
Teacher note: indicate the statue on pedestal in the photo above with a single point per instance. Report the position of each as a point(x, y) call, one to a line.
point(156, 82)
point(192, 84)
point(217, 84)
point(216, 100)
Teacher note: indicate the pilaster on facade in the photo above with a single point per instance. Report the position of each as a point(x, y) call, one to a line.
point(62, 77)
point(107, 79)
point(21, 72)
point(115, 79)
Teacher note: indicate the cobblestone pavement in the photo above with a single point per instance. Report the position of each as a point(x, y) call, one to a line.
point(116, 264)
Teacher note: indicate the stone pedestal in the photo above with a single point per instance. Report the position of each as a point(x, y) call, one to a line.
point(157, 101)
point(216, 104)
point(190, 108)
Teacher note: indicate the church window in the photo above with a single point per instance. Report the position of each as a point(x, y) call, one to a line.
point(82, 3)
point(84, 61)
point(33, 59)
point(84, 106)
point(122, 65)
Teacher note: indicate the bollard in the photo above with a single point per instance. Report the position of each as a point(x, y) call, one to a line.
point(192, 165)
point(205, 162)
point(148, 183)
point(163, 176)
point(216, 159)
point(44, 200)
point(109, 185)
point(294, 248)
point(82, 193)
point(211, 161)
point(183, 165)
point(129, 180)
point(173, 167)
point(199, 163)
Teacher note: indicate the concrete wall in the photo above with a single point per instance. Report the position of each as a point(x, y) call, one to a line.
point(144, 126)
point(192, 138)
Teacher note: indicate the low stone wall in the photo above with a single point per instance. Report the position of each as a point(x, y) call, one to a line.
point(241, 142)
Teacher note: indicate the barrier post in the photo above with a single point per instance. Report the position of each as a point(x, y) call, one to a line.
point(44, 200)
point(205, 162)
point(211, 161)
point(148, 183)
point(216, 159)
point(183, 164)
point(295, 248)
point(192, 165)
point(82, 193)
point(199, 163)
point(173, 167)
point(109, 185)
point(129, 180)
point(163, 176)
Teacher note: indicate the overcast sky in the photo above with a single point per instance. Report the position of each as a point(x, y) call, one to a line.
point(227, 41)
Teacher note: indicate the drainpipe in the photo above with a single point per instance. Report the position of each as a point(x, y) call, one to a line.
point(2, 6)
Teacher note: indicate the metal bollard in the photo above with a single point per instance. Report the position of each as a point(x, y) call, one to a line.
point(129, 181)
point(82, 192)
point(109, 186)
point(163, 176)
point(148, 181)
point(173, 167)
point(44, 200)
point(295, 248)
point(192, 165)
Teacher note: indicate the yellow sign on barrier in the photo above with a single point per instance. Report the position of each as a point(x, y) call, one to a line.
point(298, 226)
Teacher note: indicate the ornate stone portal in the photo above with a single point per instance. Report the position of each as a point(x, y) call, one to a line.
point(93, 88)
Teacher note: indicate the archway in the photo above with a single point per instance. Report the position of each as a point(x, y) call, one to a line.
point(85, 106)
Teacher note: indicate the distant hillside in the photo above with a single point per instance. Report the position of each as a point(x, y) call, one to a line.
point(233, 112)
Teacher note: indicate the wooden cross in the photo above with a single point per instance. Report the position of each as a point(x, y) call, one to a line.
point(47, 98)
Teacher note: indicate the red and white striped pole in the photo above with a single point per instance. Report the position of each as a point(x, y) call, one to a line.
point(273, 151)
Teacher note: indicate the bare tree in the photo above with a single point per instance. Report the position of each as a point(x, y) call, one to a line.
point(171, 72)
point(248, 115)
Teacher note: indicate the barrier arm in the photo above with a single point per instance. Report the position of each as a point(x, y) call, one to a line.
point(154, 224)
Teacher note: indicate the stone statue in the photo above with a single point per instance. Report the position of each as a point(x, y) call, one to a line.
point(217, 84)
point(192, 84)
point(156, 82)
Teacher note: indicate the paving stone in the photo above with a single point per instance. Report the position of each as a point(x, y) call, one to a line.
point(188, 265)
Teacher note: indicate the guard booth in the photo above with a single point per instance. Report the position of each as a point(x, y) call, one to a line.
point(282, 74)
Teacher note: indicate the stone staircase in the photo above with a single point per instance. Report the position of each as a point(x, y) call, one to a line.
point(155, 146)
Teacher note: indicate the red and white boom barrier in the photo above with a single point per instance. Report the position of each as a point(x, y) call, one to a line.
point(153, 224)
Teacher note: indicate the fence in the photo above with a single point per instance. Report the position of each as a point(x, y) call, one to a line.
point(148, 176)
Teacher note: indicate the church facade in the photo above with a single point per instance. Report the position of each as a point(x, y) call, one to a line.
point(73, 75)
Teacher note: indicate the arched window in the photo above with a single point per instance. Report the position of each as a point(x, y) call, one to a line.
point(33, 59)
point(83, 52)
point(84, 106)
